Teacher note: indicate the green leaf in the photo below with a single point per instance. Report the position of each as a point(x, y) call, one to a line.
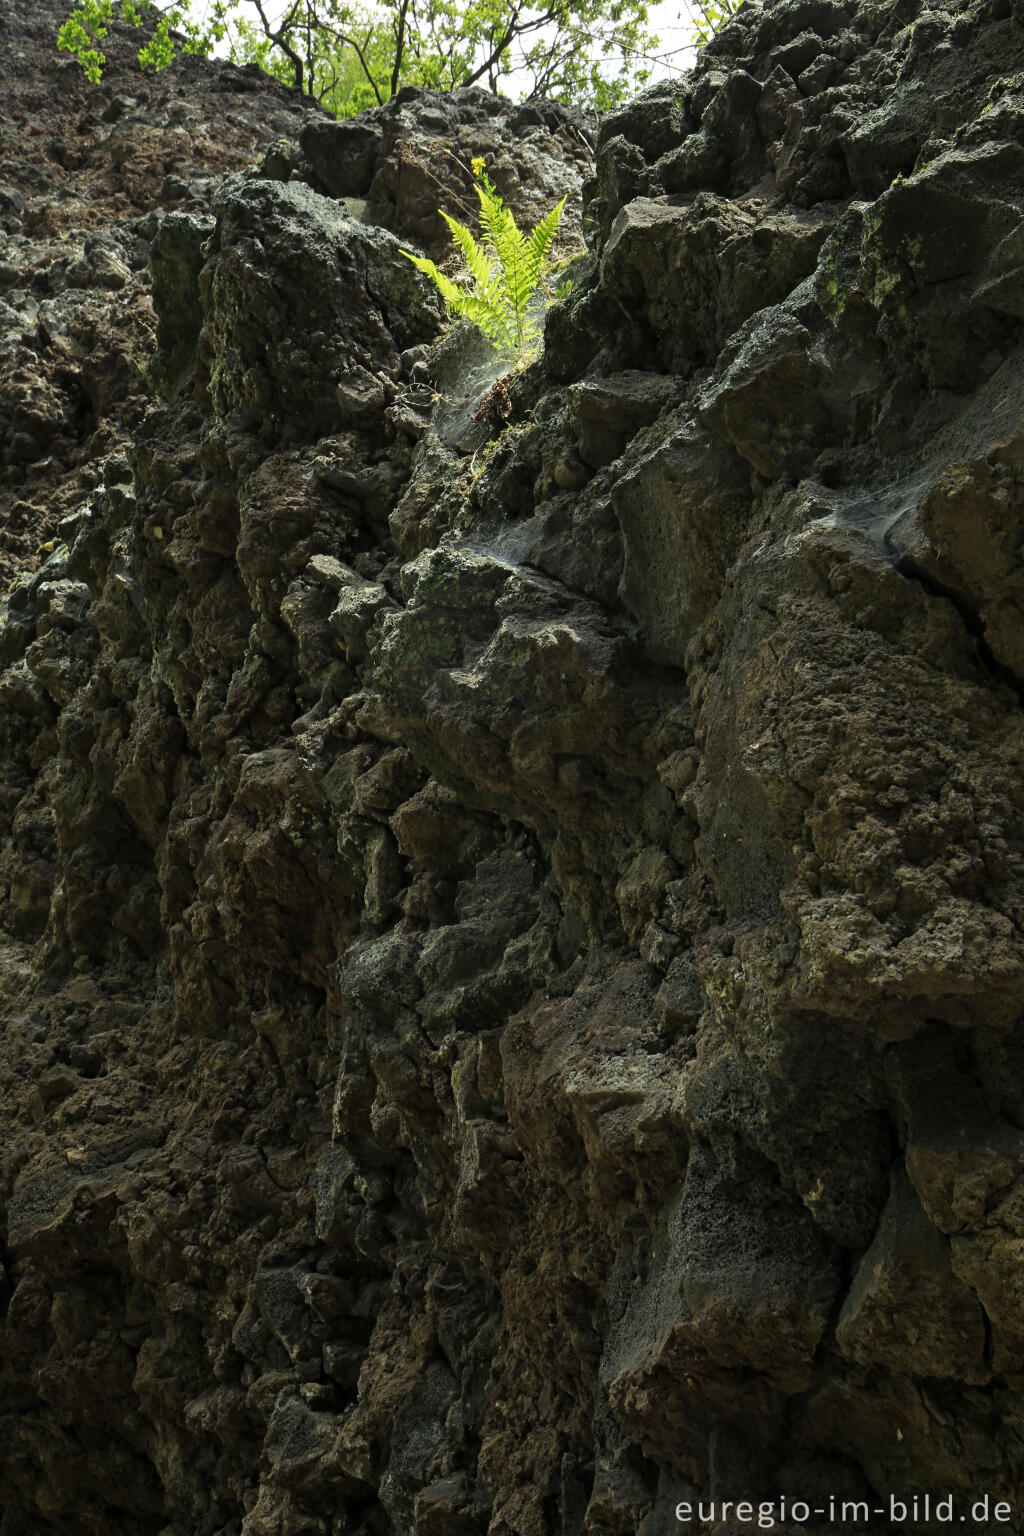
point(478, 307)
point(542, 236)
point(476, 261)
point(506, 269)
point(596, 52)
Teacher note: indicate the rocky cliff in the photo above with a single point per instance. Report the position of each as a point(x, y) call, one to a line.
point(513, 904)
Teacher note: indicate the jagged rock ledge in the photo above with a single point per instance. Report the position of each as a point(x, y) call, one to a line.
point(514, 928)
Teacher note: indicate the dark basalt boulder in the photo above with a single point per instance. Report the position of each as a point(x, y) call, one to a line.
point(398, 164)
point(512, 881)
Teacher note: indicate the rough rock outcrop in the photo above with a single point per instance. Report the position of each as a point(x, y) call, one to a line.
point(513, 958)
point(398, 163)
point(87, 174)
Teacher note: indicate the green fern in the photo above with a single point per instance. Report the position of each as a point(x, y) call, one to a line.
point(506, 270)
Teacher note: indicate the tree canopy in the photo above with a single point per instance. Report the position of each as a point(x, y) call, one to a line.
point(351, 54)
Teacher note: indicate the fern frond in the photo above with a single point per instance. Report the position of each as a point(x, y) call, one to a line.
point(541, 237)
point(448, 290)
point(484, 311)
point(519, 271)
point(476, 260)
point(506, 267)
point(496, 221)
point(489, 318)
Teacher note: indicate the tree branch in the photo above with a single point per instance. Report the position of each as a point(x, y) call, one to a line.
point(396, 73)
point(277, 38)
point(514, 30)
point(350, 42)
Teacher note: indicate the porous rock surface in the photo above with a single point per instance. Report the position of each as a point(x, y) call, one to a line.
point(87, 174)
point(513, 948)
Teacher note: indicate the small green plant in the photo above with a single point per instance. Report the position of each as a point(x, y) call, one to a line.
point(91, 20)
point(507, 270)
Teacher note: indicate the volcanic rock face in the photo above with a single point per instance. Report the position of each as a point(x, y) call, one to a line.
point(513, 950)
point(86, 176)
